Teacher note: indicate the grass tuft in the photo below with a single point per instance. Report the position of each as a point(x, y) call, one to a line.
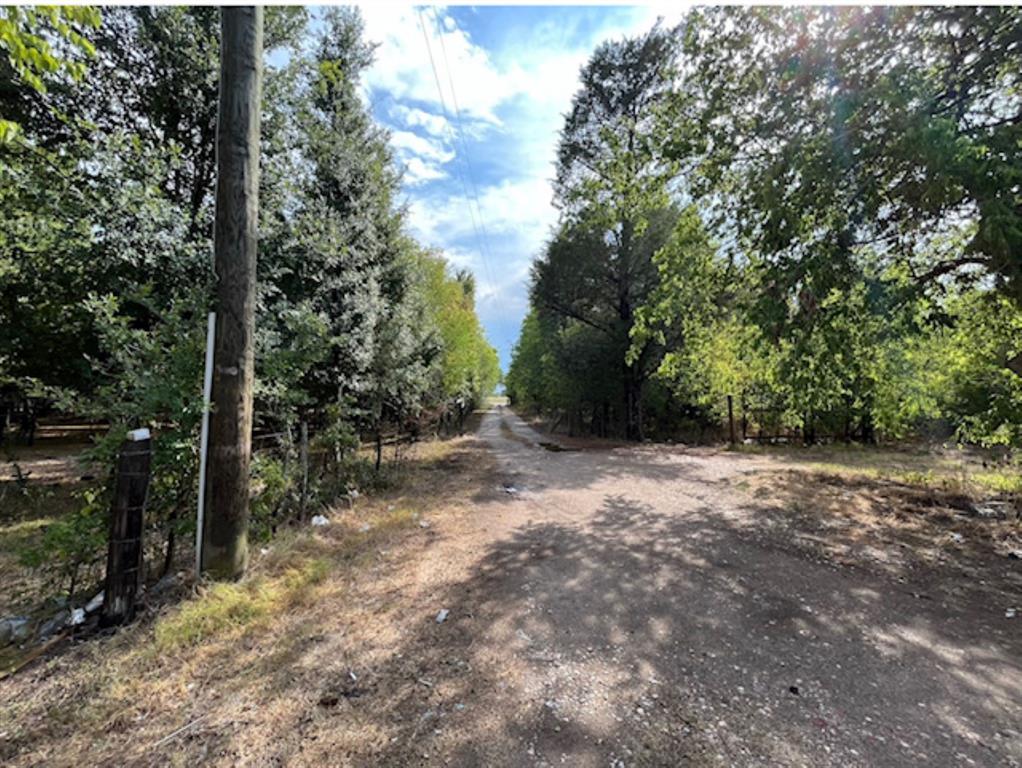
point(226, 609)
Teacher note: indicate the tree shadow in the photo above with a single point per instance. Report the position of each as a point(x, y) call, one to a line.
point(660, 639)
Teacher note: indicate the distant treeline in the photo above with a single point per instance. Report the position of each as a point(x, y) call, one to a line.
point(816, 211)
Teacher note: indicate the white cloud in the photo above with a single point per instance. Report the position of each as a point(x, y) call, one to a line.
point(405, 62)
point(411, 144)
point(412, 117)
point(519, 209)
point(423, 158)
point(417, 171)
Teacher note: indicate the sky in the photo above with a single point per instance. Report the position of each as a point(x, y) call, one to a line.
point(477, 139)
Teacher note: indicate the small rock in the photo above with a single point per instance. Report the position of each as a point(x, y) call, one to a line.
point(319, 521)
point(14, 629)
point(364, 528)
point(442, 615)
point(1015, 554)
point(165, 584)
point(76, 618)
point(1011, 613)
point(424, 524)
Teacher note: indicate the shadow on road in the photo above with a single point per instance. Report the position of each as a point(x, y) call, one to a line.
point(669, 640)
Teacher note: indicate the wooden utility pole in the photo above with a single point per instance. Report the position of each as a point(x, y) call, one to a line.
point(731, 418)
point(225, 539)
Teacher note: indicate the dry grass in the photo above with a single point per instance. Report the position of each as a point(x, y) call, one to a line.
point(912, 527)
point(954, 470)
point(232, 654)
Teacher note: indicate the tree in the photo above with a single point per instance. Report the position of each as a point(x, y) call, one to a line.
point(225, 548)
point(612, 185)
point(821, 130)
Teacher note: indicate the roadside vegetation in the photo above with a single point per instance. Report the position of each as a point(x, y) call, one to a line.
point(367, 341)
point(153, 687)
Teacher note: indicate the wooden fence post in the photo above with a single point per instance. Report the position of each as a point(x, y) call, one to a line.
point(124, 550)
point(731, 418)
point(305, 470)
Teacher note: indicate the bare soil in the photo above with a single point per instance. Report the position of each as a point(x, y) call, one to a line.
point(608, 606)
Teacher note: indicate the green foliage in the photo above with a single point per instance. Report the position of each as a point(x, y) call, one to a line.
point(978, 393)
point(43, 43)
point(73, 548)
point(846, 261)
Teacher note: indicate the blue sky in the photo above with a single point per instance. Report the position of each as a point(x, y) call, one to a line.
point(479, 188)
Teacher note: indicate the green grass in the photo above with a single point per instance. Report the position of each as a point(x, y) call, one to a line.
point(224, 609)
point(999, 481)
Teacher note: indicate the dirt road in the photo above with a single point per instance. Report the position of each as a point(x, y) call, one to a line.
point(618, 608)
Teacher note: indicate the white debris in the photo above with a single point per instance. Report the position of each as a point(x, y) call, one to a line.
point(364, 527)
point(77, 617)
point(423, 524)
point(995, 510)
point(1011, 613)
point(319, 520)
point(95, 603)
point(442, 615)
point(264, 551)
point(510, 489)
point(957, 538)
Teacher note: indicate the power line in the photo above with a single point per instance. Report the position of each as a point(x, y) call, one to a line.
point(443, 105)
point(461, 135)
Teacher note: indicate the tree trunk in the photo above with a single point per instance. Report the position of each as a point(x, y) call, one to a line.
point(225, 538)
point(809, 433)
point(304, 458)
point(633, 404)
point(867, 426)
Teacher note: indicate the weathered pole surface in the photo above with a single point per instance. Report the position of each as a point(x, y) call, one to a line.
point(731, 418)
point(124, 548)
point(225, 540)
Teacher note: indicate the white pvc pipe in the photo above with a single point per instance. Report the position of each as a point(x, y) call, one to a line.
point(207, 394)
